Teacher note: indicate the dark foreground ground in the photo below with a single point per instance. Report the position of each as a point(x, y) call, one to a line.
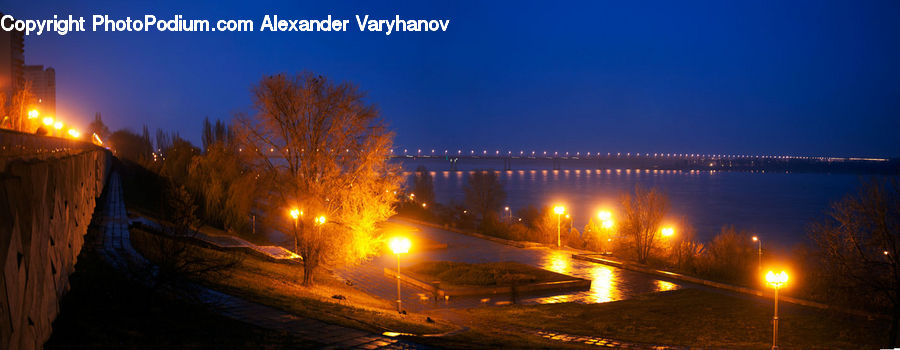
point(104, 310)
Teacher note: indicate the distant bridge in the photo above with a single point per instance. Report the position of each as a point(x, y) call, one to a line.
point(656, 161)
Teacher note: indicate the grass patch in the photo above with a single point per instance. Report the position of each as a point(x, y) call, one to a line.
point(105, 310)
point(278, 285)
point(483, 274)
point(696, 318)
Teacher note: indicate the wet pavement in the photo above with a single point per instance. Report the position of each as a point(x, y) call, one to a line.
point(608, 283)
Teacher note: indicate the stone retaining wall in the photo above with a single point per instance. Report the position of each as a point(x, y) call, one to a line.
point(46, 204)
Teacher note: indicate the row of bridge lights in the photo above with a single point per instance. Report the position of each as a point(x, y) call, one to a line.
point(628, 154)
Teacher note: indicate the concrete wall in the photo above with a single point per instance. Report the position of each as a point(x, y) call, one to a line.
point(46, 204)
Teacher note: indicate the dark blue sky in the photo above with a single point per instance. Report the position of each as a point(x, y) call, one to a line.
point(786, 77)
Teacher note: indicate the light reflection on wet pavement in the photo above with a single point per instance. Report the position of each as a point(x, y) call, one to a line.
point(607, 283)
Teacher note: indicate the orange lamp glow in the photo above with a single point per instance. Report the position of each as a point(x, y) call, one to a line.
point(559, 210)
point(776, 280)
point(400, 245)
point(667, 231)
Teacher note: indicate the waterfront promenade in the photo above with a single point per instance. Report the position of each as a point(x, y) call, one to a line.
point(608, 283)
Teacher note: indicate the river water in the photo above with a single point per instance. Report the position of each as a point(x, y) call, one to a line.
point(775, 206)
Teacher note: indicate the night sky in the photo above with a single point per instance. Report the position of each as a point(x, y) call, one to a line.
point(755, 77)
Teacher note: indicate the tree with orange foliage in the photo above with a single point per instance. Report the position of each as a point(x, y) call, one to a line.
point(317, 146)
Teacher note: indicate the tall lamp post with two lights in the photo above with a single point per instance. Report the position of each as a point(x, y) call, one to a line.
point(295, 214)
point(559, 210)
point(776, 280)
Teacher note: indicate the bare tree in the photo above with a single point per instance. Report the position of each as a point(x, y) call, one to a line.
point(177, 256)
point(484, 194)
point(731, 257)
point(163, 141)
point(128, 145)
point(857, 248)
point(98, 127)
point(178, 160)
point(16, 108)
point(226, 185)
point(596, 237)
point(642, 214)
point(319, 147)
point(685, 249)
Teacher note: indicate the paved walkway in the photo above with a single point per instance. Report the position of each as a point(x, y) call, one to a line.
point(229, 242)
point(608, 283)
point(115, 247)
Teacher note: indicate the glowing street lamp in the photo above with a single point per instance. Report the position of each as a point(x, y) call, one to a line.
point(296, 213)
point(559, 210)
point(508, 214)
point(33, 114)
point(667, 231)
point(48, 121)
point(74, 133)
point(758, 254)
point(58, 125)
point(776, 280)
point(400, 245)
point(604, 215)
point(607, 223)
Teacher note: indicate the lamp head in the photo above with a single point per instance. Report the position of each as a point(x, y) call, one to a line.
point(604, 215)
point(667, 231)
point(400, 245)
point(776, 280)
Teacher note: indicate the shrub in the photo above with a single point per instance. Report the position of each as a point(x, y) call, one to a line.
point(730, 257)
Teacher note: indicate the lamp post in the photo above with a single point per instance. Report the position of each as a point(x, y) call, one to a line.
point(776, 281)
point(508, 214)
point(559, 210)
point(607, 224)
point(758, 254)
point(399, 245)
point(295, 213)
